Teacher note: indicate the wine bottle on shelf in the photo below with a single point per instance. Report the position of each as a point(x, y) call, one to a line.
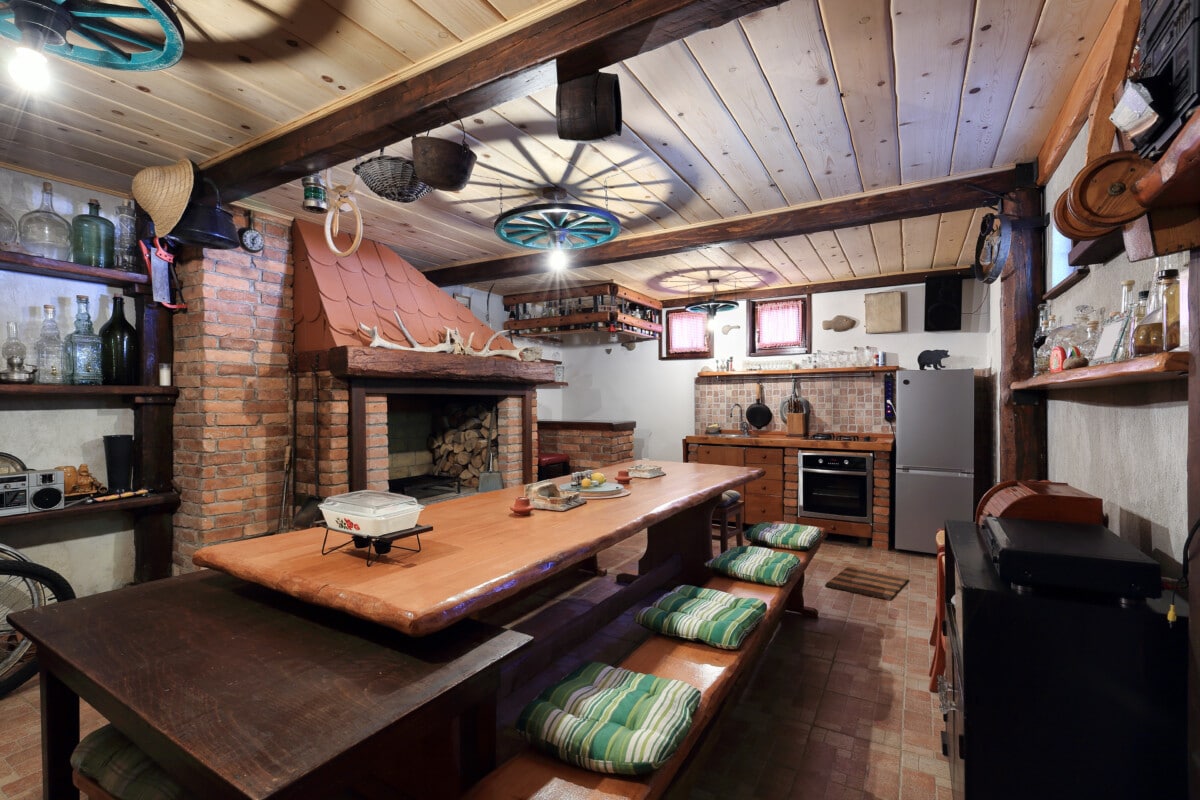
point(119, 348)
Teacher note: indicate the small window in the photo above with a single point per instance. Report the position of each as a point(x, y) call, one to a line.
point(686, 335)
point(779, 327)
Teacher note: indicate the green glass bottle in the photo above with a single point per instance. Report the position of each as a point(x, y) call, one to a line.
point(92, 238)
point(119, 348)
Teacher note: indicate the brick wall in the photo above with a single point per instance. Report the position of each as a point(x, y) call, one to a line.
point(231, 366)
point(587, 444)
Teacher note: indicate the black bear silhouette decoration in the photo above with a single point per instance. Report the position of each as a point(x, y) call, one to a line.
point(932, 358)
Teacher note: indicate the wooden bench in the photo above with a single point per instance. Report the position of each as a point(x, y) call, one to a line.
point(531, 775)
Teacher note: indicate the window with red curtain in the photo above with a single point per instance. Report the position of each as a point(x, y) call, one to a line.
point(779, 326)
point(686, 335)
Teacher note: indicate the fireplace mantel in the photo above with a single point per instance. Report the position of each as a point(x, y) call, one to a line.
point(350, 363)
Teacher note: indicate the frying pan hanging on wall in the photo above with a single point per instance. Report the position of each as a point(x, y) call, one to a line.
point(759, 413)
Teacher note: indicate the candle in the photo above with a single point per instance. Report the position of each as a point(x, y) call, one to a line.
point(164, 374)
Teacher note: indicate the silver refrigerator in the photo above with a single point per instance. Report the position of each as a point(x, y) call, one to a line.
point(935, 454)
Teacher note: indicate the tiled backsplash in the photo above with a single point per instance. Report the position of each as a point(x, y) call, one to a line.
point(840, 403)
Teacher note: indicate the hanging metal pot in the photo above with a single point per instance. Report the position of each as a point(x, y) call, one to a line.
point(442, 164)
point(209, 226)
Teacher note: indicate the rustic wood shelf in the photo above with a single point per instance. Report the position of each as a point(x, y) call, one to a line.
point(47, 390)
point(1174, 179)
point(1158, 367)
point(794, 372)
point(36, 265)
point(165, 501)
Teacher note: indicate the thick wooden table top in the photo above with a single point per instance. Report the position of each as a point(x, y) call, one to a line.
point(241, 692)
point(478, 552)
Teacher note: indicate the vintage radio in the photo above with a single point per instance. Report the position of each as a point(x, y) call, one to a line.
point(1170, 44)
point(35, 490)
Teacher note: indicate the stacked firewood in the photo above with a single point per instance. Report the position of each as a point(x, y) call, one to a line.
point(460, 442)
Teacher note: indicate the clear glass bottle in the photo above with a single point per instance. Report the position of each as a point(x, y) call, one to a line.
point(1168, 282)
point(92, 238)
point(51, 368)
point(1041, 359)
point(125, 249)
point(82, 348)
point(43, 232)
point(1128, 302)
point(119, 348)
point(1087, 348)
point(8, 230)
point(13, 352)
point(1039, 338)
point(1139, 332)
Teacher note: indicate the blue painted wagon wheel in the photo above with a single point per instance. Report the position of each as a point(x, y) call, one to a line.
point(557, 226)
point(137, 35)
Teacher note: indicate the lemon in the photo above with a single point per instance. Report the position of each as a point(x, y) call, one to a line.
point(585, 482)
point(598, 478)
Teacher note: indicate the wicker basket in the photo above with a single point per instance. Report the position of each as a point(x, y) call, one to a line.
point(392, 178)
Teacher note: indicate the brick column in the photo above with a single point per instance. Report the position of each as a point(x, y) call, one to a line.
point(881, 511)
point(231, 366)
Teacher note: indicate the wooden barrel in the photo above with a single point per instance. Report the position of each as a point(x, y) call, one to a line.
point(442, 164)
point(589, 108)
point(1102, 193)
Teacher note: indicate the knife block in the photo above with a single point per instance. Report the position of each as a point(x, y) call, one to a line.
point(797, 424)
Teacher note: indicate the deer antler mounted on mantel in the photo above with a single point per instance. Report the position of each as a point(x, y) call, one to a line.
point(453, 343)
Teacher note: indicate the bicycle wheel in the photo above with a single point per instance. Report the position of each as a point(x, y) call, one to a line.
point(23, 585)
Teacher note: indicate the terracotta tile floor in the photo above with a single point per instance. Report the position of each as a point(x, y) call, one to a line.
point(839, 709)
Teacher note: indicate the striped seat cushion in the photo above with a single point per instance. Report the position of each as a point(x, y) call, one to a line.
point(756, 564)
point(122, 769)
point(609, 719)
point(788, 535)
point(711, 616)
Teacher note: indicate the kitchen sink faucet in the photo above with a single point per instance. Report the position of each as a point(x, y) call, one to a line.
point(742, 425)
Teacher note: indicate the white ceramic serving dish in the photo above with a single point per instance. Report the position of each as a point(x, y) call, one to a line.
point(370, 513)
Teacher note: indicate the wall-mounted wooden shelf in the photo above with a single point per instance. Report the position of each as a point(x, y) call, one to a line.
point(796, 373)
point(1146, 369)
point(36, 265)
point(49, 391)
point(165, 502)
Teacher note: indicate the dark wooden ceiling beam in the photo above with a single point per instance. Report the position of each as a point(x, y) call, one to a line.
point(920, 200)
point(586, 37)
point(850, 284)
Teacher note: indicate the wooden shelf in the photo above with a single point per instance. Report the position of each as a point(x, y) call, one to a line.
point(48, 390)
point(35, 265)
point(166, 501)
point(795, 372)
point(1158, 367)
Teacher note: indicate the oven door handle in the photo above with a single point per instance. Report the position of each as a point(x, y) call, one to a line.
point(851, 473)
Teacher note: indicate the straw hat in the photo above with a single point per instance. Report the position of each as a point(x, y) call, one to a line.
point(164, 193)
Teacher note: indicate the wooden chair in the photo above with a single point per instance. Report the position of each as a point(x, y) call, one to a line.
point(727, 518)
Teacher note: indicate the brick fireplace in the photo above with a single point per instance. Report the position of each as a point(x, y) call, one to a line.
point(265, 335)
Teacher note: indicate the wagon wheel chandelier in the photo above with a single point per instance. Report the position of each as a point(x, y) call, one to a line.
point(557, 225)
point(139, 35)
point(712, 306)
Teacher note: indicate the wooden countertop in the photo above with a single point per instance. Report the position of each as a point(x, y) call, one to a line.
point(477, 554)
point(879, 442)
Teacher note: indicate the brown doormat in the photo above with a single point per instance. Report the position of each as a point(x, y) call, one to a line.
point(868, 582)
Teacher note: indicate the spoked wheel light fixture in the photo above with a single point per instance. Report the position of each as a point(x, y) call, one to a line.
point(557, 226)
point(712, 306)
point(138, 35)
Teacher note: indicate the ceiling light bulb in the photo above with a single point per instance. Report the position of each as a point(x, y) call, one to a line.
point(558, 260)
point(28, 69)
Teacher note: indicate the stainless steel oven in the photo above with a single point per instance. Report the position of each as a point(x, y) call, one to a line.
point(836, 485)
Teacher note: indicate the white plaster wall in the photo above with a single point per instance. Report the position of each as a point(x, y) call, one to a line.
point(1125, 444)
point(94, 553)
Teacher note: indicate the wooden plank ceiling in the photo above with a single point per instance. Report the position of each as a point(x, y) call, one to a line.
point(785, 110)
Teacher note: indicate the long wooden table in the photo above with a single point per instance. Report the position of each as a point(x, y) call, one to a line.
point(242, 691)
point(480, 553)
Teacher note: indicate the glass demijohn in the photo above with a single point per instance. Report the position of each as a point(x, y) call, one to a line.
point(82, 348)
point(43, 232)
point(51, 368)
point(92, 238)
point(8, 230)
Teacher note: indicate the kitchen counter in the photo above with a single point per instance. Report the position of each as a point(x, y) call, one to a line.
point(874, 442)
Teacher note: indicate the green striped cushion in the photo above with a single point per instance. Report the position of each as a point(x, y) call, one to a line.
point(791, 536)
point(755, 564)
point(711, 616)
point(609, 719)
point(122, 769)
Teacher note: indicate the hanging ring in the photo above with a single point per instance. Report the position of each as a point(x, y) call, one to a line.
point(343, 202)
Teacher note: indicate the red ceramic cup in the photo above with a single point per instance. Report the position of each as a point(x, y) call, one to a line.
point(521, 506)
